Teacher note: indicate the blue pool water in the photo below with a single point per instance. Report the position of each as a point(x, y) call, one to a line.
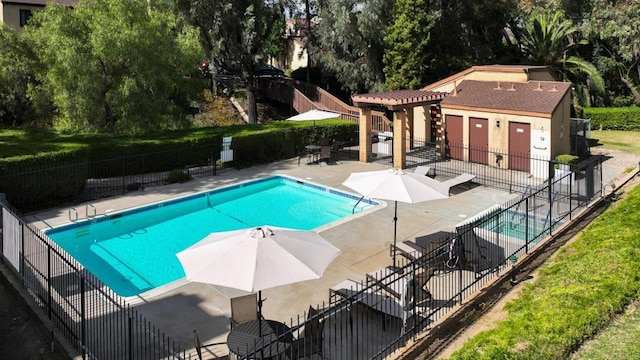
point(514, 224)
point(134, 251)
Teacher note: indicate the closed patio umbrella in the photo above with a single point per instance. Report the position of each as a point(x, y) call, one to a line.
point(396, 185)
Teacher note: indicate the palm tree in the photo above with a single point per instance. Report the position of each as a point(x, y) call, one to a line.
point(547, 39)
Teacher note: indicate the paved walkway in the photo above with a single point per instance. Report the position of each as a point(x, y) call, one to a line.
point(180, 307)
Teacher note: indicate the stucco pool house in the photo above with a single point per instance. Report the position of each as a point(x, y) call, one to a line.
point(523, 111)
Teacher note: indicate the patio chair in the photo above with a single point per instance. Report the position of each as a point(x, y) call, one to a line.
point(244, 308)
point(311, 340)
point(416, 291)
point(325, 152)
point(335, 150)
point(199, 346)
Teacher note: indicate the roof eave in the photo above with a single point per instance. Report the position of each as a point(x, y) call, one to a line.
point(501, 111)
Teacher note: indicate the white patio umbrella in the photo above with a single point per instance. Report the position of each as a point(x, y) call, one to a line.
point(258, 258)
point(314, 115)
point(396, 185)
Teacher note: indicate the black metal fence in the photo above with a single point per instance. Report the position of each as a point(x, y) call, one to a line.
point(371, 318)
point(366, 318)
point(86, 181)
point(495, 168)
point(97, 322)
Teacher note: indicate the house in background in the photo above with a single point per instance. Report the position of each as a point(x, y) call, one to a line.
point(296, 54)
point(521, 111)
point(16, 13)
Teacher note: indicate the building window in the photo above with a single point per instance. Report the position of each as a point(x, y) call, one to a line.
point(25, 15)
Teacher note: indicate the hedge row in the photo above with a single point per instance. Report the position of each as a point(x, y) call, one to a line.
point(623, 118)
point(46, 178)
point(53, 177)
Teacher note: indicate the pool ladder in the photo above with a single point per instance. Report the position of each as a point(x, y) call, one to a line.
point(73, 213)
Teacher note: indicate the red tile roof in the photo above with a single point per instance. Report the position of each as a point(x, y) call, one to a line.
point(399, 98)
point(540, 97)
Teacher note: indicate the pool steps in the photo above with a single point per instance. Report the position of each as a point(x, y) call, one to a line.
point(73, 212)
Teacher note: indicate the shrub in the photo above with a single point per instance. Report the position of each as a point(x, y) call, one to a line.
point(178, 176)
point(46, 178)
point(622, 118)
point(567, 159)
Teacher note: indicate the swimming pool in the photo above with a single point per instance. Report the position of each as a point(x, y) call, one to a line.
point(518, 225)
point(133, 251)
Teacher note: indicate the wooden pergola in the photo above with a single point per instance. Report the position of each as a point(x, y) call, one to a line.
point(402, 103)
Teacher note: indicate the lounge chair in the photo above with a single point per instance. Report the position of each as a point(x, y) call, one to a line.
point(389, 280)
point(425, 171)
point(404, 286)
point(378, 301)
point(460, 179)
point(410, 250)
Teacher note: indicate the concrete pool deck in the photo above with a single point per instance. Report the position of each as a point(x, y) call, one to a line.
point(179, 308)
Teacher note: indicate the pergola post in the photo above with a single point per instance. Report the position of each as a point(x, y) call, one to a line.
point(365, 134)
point(411, 128)
point(399, 143)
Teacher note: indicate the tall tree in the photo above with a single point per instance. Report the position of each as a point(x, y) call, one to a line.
point(407, 58)
point(617, 24)
point(115, 66)
point(548, 39)
point(17, 63)
point(351, 41)
point(237, 35)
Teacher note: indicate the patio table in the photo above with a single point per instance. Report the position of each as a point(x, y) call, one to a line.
point(314, 151)
point(244, 339)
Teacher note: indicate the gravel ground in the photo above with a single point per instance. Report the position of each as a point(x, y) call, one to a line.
point(22, 333)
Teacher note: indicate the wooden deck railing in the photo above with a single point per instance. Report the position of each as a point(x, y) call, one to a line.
point(304, 97)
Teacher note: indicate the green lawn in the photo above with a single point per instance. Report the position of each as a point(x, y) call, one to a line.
point(619, 341)
point(627, 141)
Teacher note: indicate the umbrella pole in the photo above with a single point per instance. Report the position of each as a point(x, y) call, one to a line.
point(260, 313)
point(395, 234)
point(260, 324)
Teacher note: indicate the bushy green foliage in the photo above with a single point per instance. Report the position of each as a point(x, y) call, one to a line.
point(407, 57)
point(115, 66)
point(50, 169)
point(623, 118)
point(350, 42)
point(575, 294)
point(567, 159)
point(178, 176)
point(285, 141)
point(44, 178)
